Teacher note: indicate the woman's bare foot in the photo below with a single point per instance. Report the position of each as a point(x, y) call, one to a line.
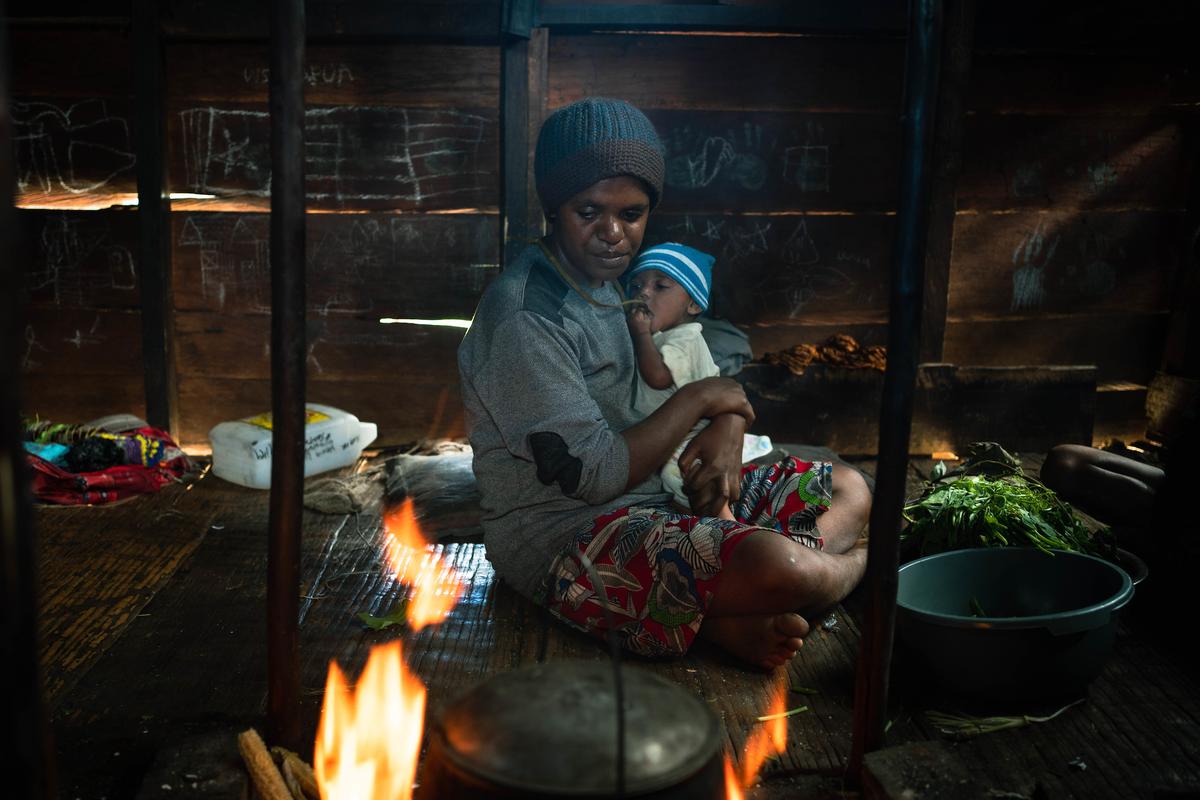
point(767, 640)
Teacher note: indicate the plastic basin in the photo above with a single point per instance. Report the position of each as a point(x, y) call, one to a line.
point(1046, 629)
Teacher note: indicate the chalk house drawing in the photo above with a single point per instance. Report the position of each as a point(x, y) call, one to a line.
point(351, 152)
point(1030, 257)
point(77, 149)
point(76, 258)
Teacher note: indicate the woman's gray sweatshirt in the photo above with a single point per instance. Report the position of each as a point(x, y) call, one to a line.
point(547, 382)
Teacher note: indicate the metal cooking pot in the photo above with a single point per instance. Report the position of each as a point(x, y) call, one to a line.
point(550, 731)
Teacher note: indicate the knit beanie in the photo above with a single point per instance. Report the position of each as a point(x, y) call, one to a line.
point(593, 139)
point(687, 266)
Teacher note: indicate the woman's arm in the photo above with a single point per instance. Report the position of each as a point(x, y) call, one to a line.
point(652, 440)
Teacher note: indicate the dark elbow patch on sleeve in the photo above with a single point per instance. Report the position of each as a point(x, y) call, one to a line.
point(555, 464)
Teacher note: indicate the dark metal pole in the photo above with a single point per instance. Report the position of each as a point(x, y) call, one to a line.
point(154, 211)
point(895, 421)
point(288, 349)
point(27, 763)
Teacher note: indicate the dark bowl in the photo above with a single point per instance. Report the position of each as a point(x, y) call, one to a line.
point(1010, 623)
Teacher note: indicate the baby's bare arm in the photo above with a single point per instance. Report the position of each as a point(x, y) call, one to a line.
point(650, 362)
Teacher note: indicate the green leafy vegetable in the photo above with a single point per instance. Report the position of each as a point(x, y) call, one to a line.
point(987, 501)
point(397, 616)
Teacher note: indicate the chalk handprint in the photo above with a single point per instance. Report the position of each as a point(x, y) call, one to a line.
point(1030, 257)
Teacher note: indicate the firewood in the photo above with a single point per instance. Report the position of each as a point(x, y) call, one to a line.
point(297, 771)
point(263, 773)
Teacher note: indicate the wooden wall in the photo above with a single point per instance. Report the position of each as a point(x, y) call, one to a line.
point(783, 155)
point(402, 177)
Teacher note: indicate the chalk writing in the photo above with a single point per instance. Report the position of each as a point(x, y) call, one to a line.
point(351, 153)
point(91, 337)
point(330, 73)
point(1101, 176)
point(31, 341)
point(76, 258)
point(76, 149)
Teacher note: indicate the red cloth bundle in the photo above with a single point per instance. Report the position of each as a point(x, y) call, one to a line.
point(52, 484)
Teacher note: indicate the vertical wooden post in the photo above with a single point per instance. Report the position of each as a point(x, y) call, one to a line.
point(154, 219)
point(895, 420)
point(515, 223)
point(26, 760)
point(539, 57)
point(946, 165)
point(288, 354)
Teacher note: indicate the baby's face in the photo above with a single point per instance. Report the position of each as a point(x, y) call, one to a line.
point(668, 302)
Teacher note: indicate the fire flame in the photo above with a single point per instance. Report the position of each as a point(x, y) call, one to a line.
point(770, 737)
point(435, 587)
point(369, 738)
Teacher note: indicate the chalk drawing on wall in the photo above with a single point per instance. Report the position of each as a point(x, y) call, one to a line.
point(77, 149)
point(31, 342)
point(1028, 180)
point(697, 159)
point(76, 258)
point(351, 152)
point(808, 166)
point(1030, 258)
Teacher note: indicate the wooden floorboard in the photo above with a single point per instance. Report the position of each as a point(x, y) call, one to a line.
point(185, 655)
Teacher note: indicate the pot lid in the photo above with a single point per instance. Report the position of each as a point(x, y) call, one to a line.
point(553, 727)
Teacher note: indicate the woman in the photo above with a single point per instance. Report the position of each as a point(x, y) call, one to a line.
point(566, 468)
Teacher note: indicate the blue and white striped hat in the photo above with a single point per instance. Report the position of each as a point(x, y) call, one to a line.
point(690, 268)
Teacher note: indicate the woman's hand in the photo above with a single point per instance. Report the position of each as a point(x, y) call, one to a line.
point(722, 396)
point(712, 464)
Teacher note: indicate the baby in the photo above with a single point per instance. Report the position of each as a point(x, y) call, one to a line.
point(670, 286)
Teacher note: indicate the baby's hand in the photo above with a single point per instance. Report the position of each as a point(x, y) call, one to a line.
point(639, 319)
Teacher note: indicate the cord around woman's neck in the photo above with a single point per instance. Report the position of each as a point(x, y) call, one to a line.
point(555, 262)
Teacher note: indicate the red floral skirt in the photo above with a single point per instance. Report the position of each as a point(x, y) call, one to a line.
point(659, 567)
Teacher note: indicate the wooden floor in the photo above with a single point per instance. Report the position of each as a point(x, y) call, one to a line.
point(154, 646)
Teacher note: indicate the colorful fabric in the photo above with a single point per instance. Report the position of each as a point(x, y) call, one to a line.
point(159, 462)
point(661, 568)
point(53, 452)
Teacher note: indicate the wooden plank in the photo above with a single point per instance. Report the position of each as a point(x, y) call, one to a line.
point(773, 269)
point(68, 342)
point(362, 265)
point(726, 73)
point(947, 160)
point(66, 150)
point(539, 56)
point(339, 349)
point(1026, 161)
point(515, 166)
point(953, 406)
point(458, 19)
point(364, 74)
point(80, 261)
point(1032, 26)
point(1122, 346)
point(60, 399)
point(72, 63)
point(771, 161)
point(405, 410)
point(1062, 262)
point(1071, 84)
point(359, 157)
point(862, 16)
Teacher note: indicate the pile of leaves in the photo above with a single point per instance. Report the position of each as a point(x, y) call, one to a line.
point(988, 501)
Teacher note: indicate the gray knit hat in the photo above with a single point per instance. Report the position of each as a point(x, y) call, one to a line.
point(593, 139)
